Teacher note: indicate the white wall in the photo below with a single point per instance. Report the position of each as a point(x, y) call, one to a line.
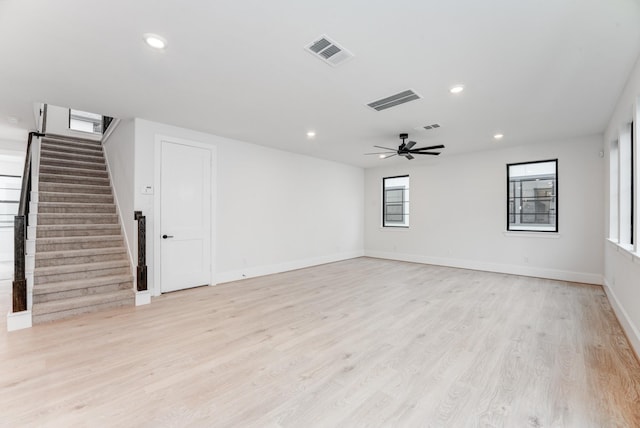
point(119, 152)
point(58, 124)
point(276, 210)
point(458, 213)
point(622, 267)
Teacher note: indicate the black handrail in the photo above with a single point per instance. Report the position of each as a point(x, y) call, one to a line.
point(20, 224)
point(141, 272)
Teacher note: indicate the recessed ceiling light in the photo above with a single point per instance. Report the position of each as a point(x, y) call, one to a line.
point(155, 41)
point(13, 119)
point(498, 136)
point(456, 89)
point(311, 134)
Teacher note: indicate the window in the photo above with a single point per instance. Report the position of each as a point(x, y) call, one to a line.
point(85, 121)
point(395, 201)
point(9, 199)
point(532, 202)
point(625, 186)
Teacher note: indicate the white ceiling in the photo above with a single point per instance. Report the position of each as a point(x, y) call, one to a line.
point(534, 70)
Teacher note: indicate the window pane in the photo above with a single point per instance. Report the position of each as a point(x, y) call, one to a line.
point(85, 121)
point(532, 196)
point(395, 209)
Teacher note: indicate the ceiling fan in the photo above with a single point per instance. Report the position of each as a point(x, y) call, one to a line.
point(406, 149)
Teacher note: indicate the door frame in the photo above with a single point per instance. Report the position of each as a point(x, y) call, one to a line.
point(159, 138)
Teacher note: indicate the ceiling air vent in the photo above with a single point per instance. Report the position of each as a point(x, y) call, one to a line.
point(432, 126)
point(328, 51)
point(394, 100)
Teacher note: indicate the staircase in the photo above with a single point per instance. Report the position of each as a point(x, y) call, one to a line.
point(81, 262)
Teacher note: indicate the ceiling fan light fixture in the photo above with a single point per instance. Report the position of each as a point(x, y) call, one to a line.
point(498, 136)
point(311, 134)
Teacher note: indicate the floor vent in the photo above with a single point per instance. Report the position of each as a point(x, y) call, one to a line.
point(328, 51)
point(432, 126)
point(394, 100)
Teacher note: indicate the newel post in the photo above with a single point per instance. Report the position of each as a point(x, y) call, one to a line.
point(141, 275)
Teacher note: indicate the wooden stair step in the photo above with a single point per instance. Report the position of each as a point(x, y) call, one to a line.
point(77, 242)
point(87, 255)
point(62, 273)
point(69, 289)
point(72, 163)
point(72, 179)
point(75, 148)
point(74, 188)
point(75, 207)
point(74, 197)
point(83, 218)
point(72, 156)
point(59, 309)
point(67, 170)
point(69, 230)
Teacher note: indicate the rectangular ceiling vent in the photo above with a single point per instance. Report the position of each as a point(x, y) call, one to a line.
point(432, 126)
point(394, 100)
point(328, 51)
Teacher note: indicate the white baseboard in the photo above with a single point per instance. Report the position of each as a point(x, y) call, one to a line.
point(587, 278)
point(143, 297)
point(633, 333)
point(18, 320)
point(284, 267)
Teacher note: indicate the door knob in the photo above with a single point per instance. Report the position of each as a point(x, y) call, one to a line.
point(167, 236)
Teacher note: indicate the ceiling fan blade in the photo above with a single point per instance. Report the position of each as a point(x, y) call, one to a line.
point(401, 146)
point(386, 148)
point(380, 153)
point(426, 153)
point(410, 144)
point(429, 148)
point(408, 156)
point(390, 156)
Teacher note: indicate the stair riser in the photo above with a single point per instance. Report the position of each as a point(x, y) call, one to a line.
point(100, 219)
point(78, 209)
point(97, 146)
point(72, 164)
point(77, 232)
point(74, 188)
point(63, 261)
point(49, 297)
point(78, 172)
point(79, 198)
point(73, 276)
point(42, 318)
point(55, 180)
point(78, 245)
point(58, 148)
point(65, 156)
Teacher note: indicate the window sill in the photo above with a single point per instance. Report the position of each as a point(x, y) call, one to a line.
point(394, 228)
point(626, 250)
point(532, 234)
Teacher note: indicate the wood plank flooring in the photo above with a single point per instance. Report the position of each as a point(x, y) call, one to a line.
point(364, 342)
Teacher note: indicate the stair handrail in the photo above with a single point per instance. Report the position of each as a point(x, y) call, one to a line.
point(20, 222)
point(141, 270)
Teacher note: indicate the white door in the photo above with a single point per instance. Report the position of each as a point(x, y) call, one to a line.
point(185, 216)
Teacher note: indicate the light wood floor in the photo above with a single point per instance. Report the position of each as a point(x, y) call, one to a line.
point(364, 342)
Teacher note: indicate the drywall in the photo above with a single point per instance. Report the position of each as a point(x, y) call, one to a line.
point(458, 213)
point(58, 124)
point(119, 153)
point(622, 267)
point(275, 210)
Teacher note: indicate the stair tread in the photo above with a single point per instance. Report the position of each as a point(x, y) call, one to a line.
point(74, 185)
point(41, 255)
point(66, 139)
point(77, 226)
point(66, 148)
point(75, 204)
point(71, 169)
point(57, 287)
point(64, 239)
point(76, 214)
point(49, 175)
point(74, 163)
point(51, 151)
point(82, 301)
point(52, 270)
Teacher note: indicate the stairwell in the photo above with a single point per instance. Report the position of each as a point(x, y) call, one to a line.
point(81, 262)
